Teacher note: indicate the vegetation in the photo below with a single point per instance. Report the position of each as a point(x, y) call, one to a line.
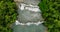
point(7, 15)
point(51, 13)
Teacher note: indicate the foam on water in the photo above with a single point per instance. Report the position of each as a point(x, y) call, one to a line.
point(29, 23)
point(29, 7)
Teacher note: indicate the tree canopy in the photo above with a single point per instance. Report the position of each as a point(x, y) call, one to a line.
point(8, 15)
point(51, 13)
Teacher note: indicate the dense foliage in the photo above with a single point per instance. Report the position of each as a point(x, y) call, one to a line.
point(7, 15)
point(51, 13)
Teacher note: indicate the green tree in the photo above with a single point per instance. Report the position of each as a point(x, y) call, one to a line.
point(8, 15)
point(51, 13)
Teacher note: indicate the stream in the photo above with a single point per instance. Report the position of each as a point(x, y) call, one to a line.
point(29, 17)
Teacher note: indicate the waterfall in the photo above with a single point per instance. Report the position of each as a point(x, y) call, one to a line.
point(33, 8)
point(29, 17)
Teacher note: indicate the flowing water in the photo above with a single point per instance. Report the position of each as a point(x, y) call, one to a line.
point(29, 18)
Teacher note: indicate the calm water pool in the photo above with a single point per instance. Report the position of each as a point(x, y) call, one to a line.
point(31, 28)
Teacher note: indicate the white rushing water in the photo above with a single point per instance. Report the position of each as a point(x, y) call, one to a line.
point(29, 23)
point(30, 8)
